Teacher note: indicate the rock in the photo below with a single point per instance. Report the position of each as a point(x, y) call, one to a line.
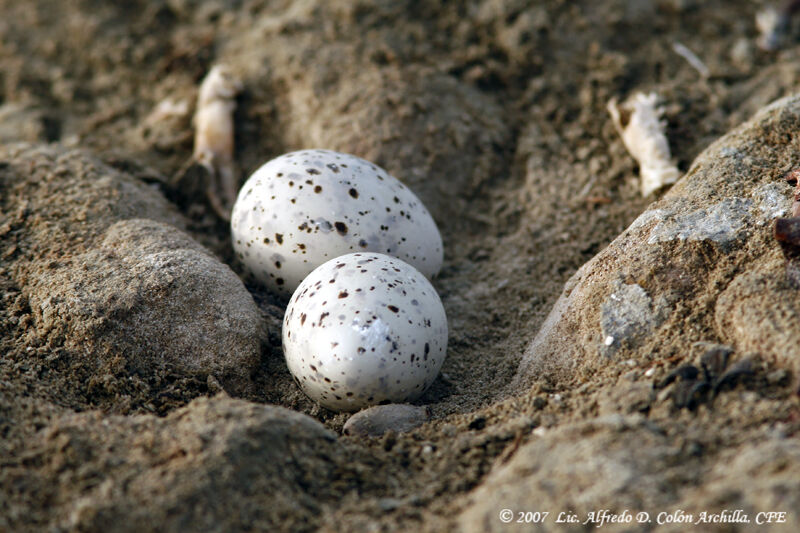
point(276, 468)
point(121, 295)
point(23, 123)
point(626, 316)
point(701, 264)
point(722, 223)
point(579, 468)
point(758, 477)
point(377, 420)
point(158, 300)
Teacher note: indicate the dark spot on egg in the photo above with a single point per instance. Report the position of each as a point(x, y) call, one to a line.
point(341, 227)
point(353, 193)
point(279, 238)
point(393, 308)
point(318, 189)
point(343, 294)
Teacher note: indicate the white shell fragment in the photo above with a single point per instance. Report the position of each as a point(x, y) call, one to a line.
point(377, 420)
point(304, 208)
point(771, 25)
point(363, 329)
point(691, 58)
point(214, 132)
point(638, 123)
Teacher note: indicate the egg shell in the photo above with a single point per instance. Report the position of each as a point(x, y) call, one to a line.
point(307, 207)
point(364, 329)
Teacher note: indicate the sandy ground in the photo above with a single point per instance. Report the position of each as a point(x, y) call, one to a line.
point(494, 112)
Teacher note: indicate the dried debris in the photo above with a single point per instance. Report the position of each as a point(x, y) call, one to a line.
point(214, 139)
point(773, 24)
point(638, 121)
point(700, 385)
point(691, 58)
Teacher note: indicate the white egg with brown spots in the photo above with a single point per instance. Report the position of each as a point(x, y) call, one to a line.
point(364, 329)
point(307, 207)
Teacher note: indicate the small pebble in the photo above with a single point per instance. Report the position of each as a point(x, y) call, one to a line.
point(375, 421)
point(389, 504)
point(776, 377)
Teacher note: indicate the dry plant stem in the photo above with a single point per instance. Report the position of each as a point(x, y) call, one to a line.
point(214, 133)
point(638, 121)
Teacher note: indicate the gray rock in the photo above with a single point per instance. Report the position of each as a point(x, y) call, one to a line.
point(116, 293)
point(269, 462)
point(591, 462)
point(757, 477)
point(587, 467)
point(158, 300)
point(377, 420)
point(626, 316)
point(771, 202)
point(722, 223)
point(699, 265)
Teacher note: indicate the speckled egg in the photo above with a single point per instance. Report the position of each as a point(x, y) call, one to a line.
point(304, 208)
point(364, 329)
